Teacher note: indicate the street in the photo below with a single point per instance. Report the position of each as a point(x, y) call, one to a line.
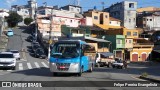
point(34, 69)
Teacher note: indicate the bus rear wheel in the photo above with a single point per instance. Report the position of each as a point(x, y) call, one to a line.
point(54, 74)
point(81, 71)
point(91, 69)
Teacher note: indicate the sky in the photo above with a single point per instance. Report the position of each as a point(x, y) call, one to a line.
point(85, 4)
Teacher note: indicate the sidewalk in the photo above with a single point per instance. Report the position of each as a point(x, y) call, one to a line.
point(3, 42)
point(151, 68)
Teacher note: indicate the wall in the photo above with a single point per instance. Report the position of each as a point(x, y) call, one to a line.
point(128, 43)
point(105, 16)
point(152, 22)
point(132, 31)
point(115, 23)
point(139, 52)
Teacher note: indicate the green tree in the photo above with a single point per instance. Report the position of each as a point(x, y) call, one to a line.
point(27, 21)
point(13, 19)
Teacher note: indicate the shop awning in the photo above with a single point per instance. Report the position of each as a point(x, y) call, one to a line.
point(106, 54)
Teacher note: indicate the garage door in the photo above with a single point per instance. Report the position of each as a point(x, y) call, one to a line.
point(144, 57)
point(134, 57)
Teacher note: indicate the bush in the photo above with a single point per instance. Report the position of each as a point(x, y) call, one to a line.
point(145, 74)
point(27, 21)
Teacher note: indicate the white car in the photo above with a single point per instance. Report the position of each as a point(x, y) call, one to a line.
point(118, 64)
point(7, 60)
point(16, 54)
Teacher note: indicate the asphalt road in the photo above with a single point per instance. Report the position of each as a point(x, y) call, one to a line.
point(34, 69)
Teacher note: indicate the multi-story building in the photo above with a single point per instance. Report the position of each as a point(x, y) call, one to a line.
point(60, 17)
point(125, 11)
point(148, 19)
point(118, 45)
point(72, 8)
point(25, 10)
point(98, 17)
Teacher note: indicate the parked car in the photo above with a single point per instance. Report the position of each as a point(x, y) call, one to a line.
point(7, 60)
point(31, 38)
point(39, 53)
point(10, 32)
point(16, 54)
point(118, 64)
point(35, 46)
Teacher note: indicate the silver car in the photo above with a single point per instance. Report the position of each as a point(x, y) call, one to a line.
point(7, 60)
point(16, 54)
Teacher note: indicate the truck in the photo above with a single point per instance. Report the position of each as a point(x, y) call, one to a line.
point(104, 59)
point(71, 56)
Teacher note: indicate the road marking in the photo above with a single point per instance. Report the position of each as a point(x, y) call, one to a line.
point(36, 64)
point(29, 65)
point(44, 64)
point(24, 54)
point(9, 70)
point(20, 66)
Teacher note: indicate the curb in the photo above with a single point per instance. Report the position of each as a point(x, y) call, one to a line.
point(150, 79)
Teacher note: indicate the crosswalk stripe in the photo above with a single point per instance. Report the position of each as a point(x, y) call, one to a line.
point(29, 65)
point(36, 64)
point(20, 66)
point(44, 64)
point(9, 70)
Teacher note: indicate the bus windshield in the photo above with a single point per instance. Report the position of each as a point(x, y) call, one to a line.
point(65, 50)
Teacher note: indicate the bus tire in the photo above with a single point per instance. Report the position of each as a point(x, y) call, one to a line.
point(91, 69)
point(54, 74)
point(81, 71)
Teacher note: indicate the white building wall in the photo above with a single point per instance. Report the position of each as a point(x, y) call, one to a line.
point(89, 21)
point(152, 22)
point(114, 23)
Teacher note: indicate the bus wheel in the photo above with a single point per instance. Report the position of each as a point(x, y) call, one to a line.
point(91, 69)
point(81, 71)
point(54, 74)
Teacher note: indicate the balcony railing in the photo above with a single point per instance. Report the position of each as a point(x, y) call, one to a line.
point(143, 45)
point(120, 45)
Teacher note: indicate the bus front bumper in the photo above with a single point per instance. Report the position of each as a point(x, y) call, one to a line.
point(62, 68)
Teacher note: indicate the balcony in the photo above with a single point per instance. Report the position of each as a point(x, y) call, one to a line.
point(143, 45)
point(120, 45)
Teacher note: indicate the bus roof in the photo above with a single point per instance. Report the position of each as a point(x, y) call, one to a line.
point(78, 41)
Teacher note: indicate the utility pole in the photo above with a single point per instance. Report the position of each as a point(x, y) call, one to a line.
point(50, 39)
point(36, 24)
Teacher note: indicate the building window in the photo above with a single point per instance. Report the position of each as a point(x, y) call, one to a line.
point(26, 12)
point(131, 5)
point(79, 22)
point(119, 41)
point(78, 10)
point(71, 9)
point(134, 19)
point(150, 19)
point(135, 33)
point(144, 19)
point(128, 33)
point(129, 20)
point(71, 21)
point(147, 19)
point(130, 41)
point(95, 17)
point(110, 22)
point(106, 16)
